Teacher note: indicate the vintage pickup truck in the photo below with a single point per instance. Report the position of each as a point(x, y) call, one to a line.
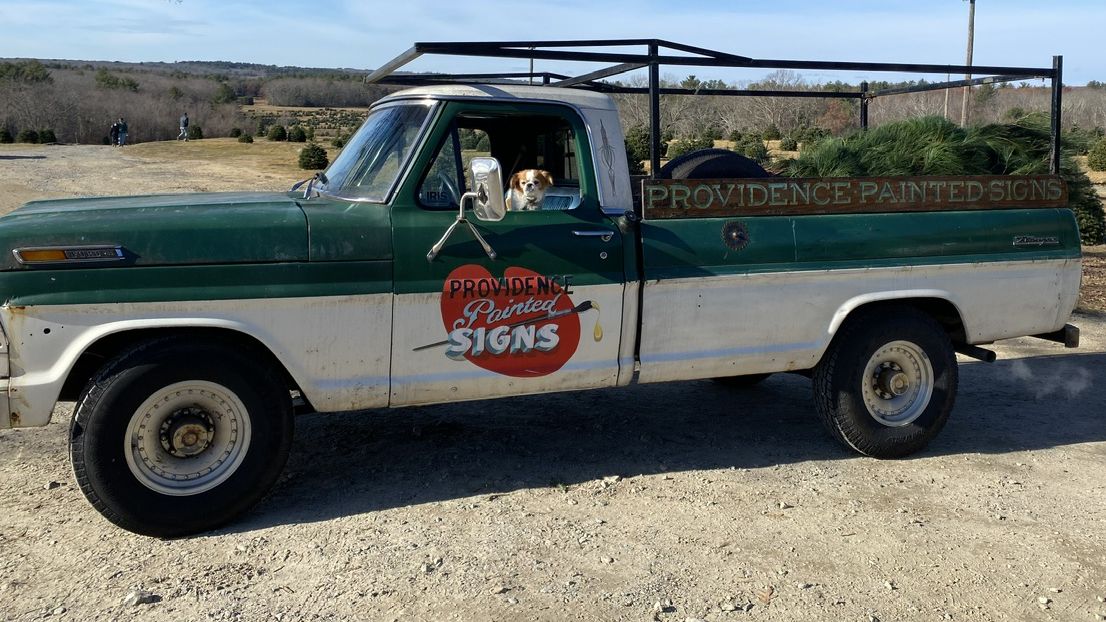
point(190, 328)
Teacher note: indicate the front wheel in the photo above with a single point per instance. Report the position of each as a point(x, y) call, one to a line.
point(887, 384)
point(175, 437)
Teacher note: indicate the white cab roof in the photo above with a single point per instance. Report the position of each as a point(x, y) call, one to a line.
point(574, 97)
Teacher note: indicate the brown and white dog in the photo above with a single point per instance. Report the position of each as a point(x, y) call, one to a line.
point(527, 189)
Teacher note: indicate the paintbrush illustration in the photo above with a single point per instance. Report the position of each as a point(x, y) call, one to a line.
point(580, 308)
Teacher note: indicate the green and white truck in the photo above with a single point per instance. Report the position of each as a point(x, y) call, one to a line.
point(189, 328)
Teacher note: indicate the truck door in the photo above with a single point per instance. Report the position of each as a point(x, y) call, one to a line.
point(546, 314)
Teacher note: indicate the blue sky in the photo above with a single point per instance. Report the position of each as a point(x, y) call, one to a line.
point(365, 34)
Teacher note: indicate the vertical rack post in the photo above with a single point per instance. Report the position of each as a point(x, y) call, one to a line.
point(863, 105)
point(1057, 103)
point(654, 111)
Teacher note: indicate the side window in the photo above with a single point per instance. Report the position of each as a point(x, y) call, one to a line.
point(534, 147)
point(440, 188)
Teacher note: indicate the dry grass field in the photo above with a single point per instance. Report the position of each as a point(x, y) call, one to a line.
point(209, 165)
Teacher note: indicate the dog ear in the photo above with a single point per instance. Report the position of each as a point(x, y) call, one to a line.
point(516, 181)
point(547, 178)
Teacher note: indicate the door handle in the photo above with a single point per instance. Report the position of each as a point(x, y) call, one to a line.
point(603, 234)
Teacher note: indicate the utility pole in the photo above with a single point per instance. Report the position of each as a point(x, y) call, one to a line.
point(968, 76)
point(948, 78)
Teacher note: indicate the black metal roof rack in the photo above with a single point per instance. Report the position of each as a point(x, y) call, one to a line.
point(660, 52)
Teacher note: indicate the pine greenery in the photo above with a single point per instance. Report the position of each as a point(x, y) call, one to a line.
point(1096, 157)
point(687, 145)
point(934, 146)
point(296, 134)
point(313, 157)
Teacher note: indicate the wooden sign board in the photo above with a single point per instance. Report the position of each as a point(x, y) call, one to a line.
point(784, 196)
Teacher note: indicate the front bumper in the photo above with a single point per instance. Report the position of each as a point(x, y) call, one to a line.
point(8, 419)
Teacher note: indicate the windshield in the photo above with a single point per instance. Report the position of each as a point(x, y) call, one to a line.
point(372, 160)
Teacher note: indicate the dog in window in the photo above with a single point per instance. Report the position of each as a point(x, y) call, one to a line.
point(527, 189)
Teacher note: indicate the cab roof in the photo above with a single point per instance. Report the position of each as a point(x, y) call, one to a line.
point(574, 97)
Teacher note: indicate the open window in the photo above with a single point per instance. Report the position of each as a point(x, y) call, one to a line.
point(519, 142)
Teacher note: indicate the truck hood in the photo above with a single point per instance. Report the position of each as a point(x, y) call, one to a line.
point(172, 229)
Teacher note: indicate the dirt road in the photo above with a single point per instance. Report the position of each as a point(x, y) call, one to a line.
point(669, 502)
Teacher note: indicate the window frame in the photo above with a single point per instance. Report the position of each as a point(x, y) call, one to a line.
point(571, 118)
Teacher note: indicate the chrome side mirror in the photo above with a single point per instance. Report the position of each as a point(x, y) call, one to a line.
point(488, 202)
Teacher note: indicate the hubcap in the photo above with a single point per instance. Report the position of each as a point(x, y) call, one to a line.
point(897, 383)
point(891, 381)
point(187, 432)
point(187, 438)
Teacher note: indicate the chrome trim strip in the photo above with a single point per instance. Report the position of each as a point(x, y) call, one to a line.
point(605, 235)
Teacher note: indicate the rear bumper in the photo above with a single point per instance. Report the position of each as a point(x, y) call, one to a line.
point(1068, 335)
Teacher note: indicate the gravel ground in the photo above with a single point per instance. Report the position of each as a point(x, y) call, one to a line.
point(675, 502)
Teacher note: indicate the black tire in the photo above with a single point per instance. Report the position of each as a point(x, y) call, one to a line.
point(116, 403)
point(711, 164)
point(747, 381)
point(866, 413)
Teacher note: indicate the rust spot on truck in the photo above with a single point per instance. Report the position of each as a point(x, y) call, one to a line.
point(14, 419)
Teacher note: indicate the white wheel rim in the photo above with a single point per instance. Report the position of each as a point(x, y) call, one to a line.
point(897, 383)
point(187, 438)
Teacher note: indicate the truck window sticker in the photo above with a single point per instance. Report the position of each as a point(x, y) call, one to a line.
point(441, 188)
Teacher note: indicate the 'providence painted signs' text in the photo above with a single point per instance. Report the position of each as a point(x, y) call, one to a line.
point(780, 196)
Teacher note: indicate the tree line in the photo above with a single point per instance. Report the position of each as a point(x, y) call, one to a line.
point(79, 101)
point(720, 117)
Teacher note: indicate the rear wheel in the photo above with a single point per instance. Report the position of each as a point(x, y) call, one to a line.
point(887, 384)
point(172, 437)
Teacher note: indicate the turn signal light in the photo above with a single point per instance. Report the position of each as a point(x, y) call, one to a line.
point(70, 254)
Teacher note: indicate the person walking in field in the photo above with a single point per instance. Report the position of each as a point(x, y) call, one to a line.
point(183, 128)
point(113, 134)
point(122, 132)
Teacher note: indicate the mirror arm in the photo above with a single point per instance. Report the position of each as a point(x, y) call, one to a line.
point(437, 248)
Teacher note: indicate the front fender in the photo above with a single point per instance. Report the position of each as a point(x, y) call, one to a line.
point(336, 348)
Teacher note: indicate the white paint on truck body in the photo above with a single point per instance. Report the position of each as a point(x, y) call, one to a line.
point(758, 323)
point(423, 375)
point(336, 348)
point(339, 350)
